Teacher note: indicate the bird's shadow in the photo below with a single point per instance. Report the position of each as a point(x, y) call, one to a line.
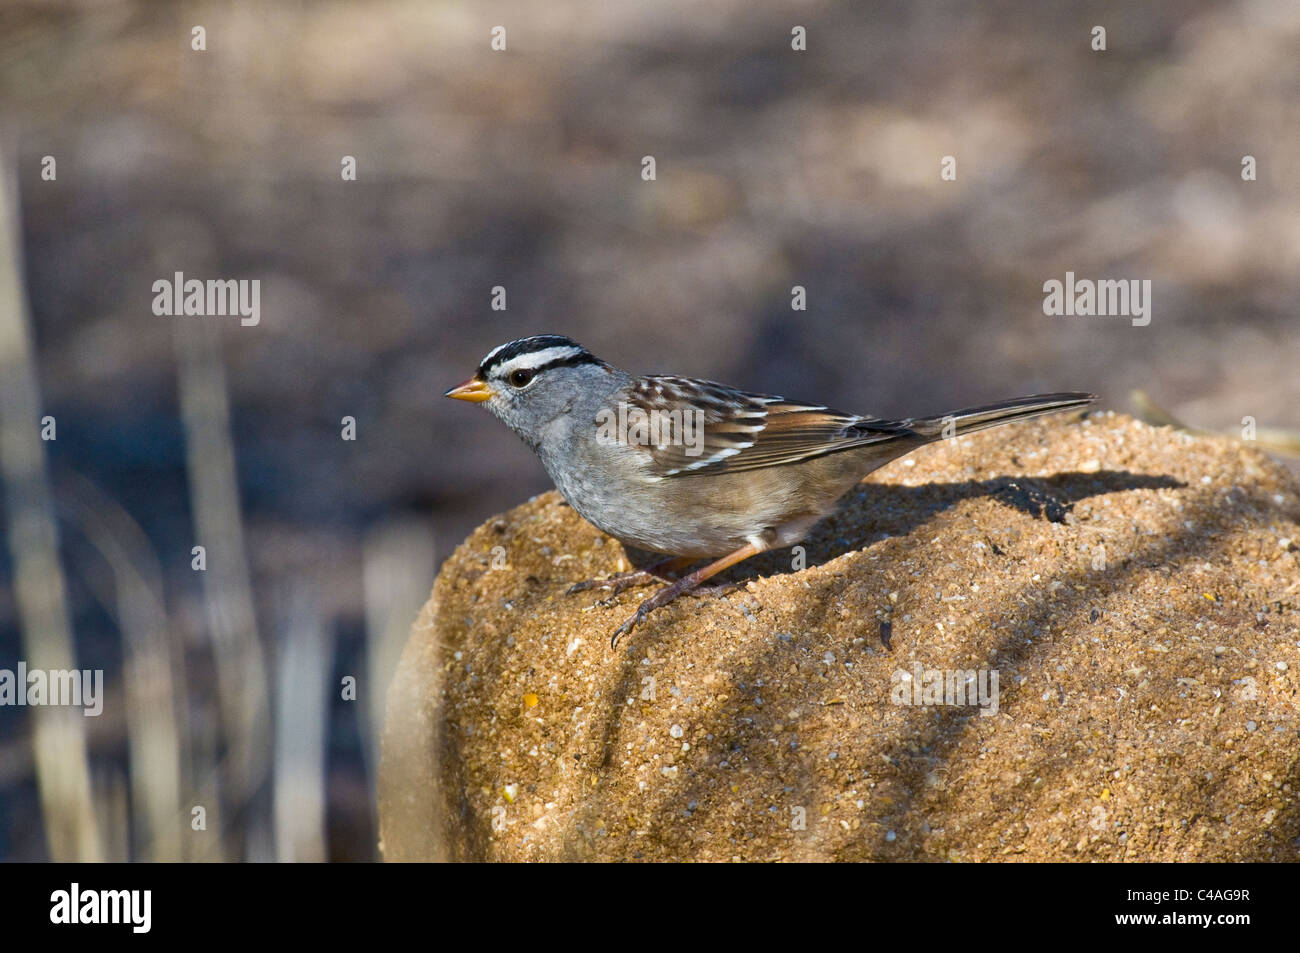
point(896, 510)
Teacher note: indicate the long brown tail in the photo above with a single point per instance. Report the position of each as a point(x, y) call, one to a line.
point(1002, 412)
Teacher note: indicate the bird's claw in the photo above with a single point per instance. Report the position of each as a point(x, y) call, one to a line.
point(617, 583)
point(636, 618)
point(659, 600)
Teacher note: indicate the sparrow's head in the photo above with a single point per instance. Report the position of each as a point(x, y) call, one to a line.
point(532, 381)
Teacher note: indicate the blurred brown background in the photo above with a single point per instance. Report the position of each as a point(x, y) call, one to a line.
point(522, 169)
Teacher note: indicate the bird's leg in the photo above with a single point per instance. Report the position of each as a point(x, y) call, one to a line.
point(640, 577)
point(682, 586)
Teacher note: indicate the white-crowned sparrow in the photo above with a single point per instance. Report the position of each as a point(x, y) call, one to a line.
point(695, 469)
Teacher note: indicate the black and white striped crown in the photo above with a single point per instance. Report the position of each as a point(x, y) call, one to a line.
point(537, 353)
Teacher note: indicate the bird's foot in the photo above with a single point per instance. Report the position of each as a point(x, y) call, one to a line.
point(667, 594)
point(617, 582)
point(720, 589)
point(629, 625)
point(684, 585)
point(639, 577)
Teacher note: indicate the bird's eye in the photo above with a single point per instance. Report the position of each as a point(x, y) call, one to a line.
point(521, 378)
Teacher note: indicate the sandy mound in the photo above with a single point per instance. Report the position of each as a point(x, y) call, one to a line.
point(1093, 642)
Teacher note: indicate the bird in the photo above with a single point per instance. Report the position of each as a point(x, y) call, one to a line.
point(693, 469)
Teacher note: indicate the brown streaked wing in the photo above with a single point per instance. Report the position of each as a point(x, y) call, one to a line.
point(747, 431)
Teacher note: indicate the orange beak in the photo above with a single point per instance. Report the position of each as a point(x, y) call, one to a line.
point(473, 390)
